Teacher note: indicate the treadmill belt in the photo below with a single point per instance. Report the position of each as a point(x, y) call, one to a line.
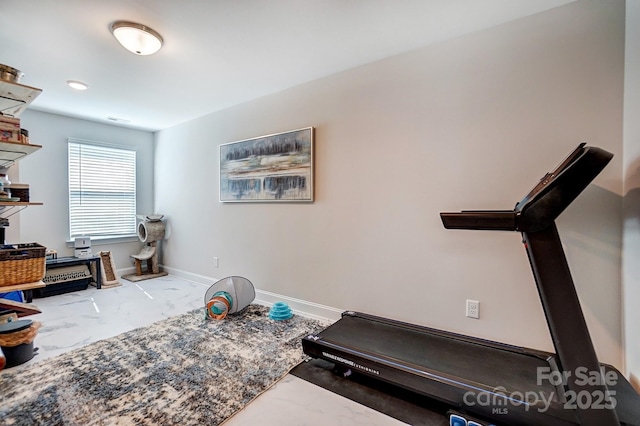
point(482, 364)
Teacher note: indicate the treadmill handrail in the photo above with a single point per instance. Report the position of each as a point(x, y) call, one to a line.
point(545, 202)
point(495, 220)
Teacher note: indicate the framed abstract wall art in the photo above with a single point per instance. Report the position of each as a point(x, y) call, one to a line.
point(271, 168)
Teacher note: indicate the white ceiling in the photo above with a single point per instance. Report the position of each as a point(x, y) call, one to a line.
point(217, 53)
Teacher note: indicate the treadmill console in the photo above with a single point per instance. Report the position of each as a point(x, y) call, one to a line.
point(544, 203)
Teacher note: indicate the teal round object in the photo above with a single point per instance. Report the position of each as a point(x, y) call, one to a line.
point(280, 311)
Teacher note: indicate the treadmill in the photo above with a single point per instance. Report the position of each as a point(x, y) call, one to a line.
point(491, 382)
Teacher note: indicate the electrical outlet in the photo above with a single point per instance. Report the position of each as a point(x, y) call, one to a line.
point(215, 262)
point(473, 309)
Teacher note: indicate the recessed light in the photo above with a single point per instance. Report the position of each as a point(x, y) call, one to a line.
point(78, 85)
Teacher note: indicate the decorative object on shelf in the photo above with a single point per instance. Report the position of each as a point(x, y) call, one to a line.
point(10, 74)
point(150, 232)
point(19, 191)
point(5, 193)
point(7, 135)
point(24, 136)
point(14, 97)
point(10, 129)
point(270, 168)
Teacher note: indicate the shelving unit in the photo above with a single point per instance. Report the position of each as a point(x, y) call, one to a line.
point(18, 204)
point(26, 286)
point(14, 99)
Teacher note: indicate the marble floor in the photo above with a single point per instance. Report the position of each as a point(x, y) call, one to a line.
point(78, 318)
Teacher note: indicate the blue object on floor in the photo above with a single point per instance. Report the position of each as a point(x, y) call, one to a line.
point(16, 296)
point(280, 311)
point(456, 420)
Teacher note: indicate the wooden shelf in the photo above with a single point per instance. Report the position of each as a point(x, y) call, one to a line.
point(16, 97)
point(26, 286)
point(18, 204)
point(8, 209)
point(10, 152)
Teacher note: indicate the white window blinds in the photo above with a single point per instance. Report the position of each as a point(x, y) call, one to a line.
point(102, 190)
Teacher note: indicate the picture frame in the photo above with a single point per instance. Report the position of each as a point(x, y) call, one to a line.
point(271, 168)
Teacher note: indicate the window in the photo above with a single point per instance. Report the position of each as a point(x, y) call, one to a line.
point(102, 190)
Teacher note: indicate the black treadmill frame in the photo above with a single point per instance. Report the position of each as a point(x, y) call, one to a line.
point(534, 217)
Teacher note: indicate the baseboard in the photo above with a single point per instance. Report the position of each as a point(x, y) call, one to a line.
point(125, 271)
point(301, 307)
point(189, 276)
point(267, 298)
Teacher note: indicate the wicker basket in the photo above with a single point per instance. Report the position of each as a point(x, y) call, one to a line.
point(22, 263)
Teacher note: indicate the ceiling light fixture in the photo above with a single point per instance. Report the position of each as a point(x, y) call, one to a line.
point(136, 38)
point(78, 85)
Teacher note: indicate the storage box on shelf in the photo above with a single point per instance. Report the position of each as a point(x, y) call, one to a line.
point(9, 136)
point(9, 123)
point(19, 190)
point(10, 130)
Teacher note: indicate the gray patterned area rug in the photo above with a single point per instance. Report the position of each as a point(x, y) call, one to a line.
point(181, 371)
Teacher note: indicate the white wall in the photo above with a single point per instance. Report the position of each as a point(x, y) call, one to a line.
point(470, 123)
point(46, 173)
point(631, 264)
